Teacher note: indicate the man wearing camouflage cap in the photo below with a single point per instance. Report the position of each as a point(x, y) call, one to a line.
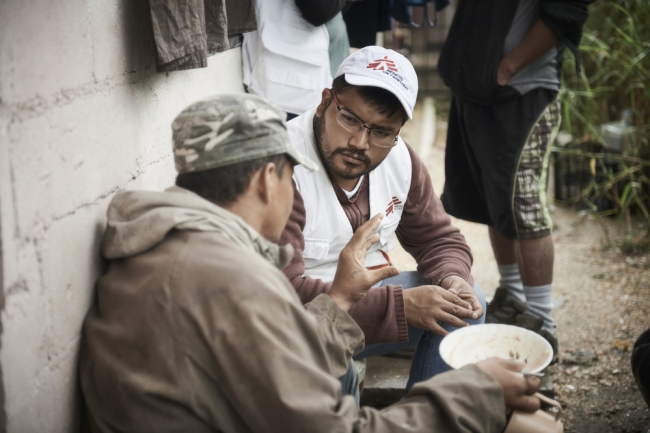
point(196, 329)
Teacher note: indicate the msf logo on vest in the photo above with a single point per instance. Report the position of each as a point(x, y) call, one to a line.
point(394, 205)
point(382, 65)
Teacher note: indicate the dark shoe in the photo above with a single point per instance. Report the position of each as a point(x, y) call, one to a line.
point(552, 339)
point(535, 324)
point(503, 309)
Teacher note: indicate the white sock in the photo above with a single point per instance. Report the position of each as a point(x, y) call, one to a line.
point(511, 280)
point(540, 304)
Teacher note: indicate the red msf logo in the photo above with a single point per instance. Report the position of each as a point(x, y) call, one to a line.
point(394, 204)
point(382, 65)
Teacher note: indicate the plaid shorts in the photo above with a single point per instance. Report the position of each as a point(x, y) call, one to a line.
point(496, 163)
point(529, 201)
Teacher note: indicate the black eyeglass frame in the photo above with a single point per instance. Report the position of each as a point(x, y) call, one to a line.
point(393, 140)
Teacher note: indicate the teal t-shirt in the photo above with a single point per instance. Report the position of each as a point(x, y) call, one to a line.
point(339, 48)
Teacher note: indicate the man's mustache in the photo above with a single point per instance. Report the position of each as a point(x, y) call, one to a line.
point(358, 154)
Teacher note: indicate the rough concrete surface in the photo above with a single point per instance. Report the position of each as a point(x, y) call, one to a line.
point(83, 114)
point(602, 305)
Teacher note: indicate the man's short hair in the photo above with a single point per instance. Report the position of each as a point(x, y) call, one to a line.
point(224, 185)
point(381, 99)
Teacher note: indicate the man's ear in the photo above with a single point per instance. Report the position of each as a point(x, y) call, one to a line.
point(326, 97)
point(266, 179)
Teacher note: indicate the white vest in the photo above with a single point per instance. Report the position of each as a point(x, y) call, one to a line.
point(327, 229)
point(287, 59)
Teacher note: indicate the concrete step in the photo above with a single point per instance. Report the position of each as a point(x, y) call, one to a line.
point(385, 381)
point(386, 378)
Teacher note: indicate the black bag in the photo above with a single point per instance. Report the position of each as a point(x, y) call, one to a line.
point(641, 365)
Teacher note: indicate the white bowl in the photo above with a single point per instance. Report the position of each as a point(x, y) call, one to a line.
point(475, 343)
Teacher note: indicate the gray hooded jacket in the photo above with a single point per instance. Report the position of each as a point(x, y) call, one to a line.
point(196, 329)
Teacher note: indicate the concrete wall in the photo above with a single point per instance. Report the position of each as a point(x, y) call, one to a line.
point(83, 114)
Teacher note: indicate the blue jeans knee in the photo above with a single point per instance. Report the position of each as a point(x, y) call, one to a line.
point(426, 361)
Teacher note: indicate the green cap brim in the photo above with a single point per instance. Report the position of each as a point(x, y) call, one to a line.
point(301, 159)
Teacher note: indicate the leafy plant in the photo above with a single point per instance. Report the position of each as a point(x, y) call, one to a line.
point(615, 76)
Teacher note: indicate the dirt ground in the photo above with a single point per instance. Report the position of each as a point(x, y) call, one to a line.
point(602, 304)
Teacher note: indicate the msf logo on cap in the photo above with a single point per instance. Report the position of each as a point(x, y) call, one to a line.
point(382, 65)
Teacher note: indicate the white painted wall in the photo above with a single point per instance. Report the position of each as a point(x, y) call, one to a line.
point(83, 114)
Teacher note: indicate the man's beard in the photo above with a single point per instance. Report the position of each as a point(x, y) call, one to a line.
point(348, 172)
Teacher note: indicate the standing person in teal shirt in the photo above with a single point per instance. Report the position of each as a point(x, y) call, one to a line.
point(339, 48)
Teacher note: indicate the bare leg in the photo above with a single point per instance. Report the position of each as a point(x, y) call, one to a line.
point(534, 256)
point(504, 249)
point(536, 261)
point(505, 253)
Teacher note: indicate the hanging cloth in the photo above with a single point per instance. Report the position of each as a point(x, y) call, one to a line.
point(187, 32)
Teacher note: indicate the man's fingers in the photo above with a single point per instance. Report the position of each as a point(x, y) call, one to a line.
point(472, 299)
point(513, 365)
point(452, 320)
point(477, 307)
point(459, 312)
point(363, 237)
point(437, 328)
point(381, 274)
point(456, 307)
point(533, 383)
point(528, 403)
point(455, 300)
point(370, 242)
point(364, 231)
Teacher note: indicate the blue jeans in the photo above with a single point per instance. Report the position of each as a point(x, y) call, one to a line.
point(426, 361)
point(350, 383)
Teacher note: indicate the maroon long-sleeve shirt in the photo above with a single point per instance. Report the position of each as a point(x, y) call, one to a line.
point(424, 230)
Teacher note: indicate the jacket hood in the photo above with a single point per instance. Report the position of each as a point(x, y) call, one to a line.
point(139, 220)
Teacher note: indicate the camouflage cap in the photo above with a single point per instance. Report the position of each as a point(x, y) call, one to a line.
point(228, 129)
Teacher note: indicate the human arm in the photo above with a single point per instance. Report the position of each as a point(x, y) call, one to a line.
point(483, 412)
point(318, 12)
point(277, 348)
point(560, 21)
point(537, 42)
point(425, 231)
point(352, 280)
point(566, 19)
point(380, 314)
point(466, 400)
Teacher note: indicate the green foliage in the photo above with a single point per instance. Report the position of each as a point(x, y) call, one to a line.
point(615, 53)
point(634, 245)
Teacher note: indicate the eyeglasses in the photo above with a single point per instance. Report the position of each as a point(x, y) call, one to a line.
point(351, 123)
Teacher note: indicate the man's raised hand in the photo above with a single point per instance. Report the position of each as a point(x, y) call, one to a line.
point(352, 280)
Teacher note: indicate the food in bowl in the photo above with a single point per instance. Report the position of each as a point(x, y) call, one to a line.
point(473, 344)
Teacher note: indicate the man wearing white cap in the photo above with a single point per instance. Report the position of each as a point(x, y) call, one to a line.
point(366, 168)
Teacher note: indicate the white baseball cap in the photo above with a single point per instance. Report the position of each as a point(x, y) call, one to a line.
point(378, 67)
